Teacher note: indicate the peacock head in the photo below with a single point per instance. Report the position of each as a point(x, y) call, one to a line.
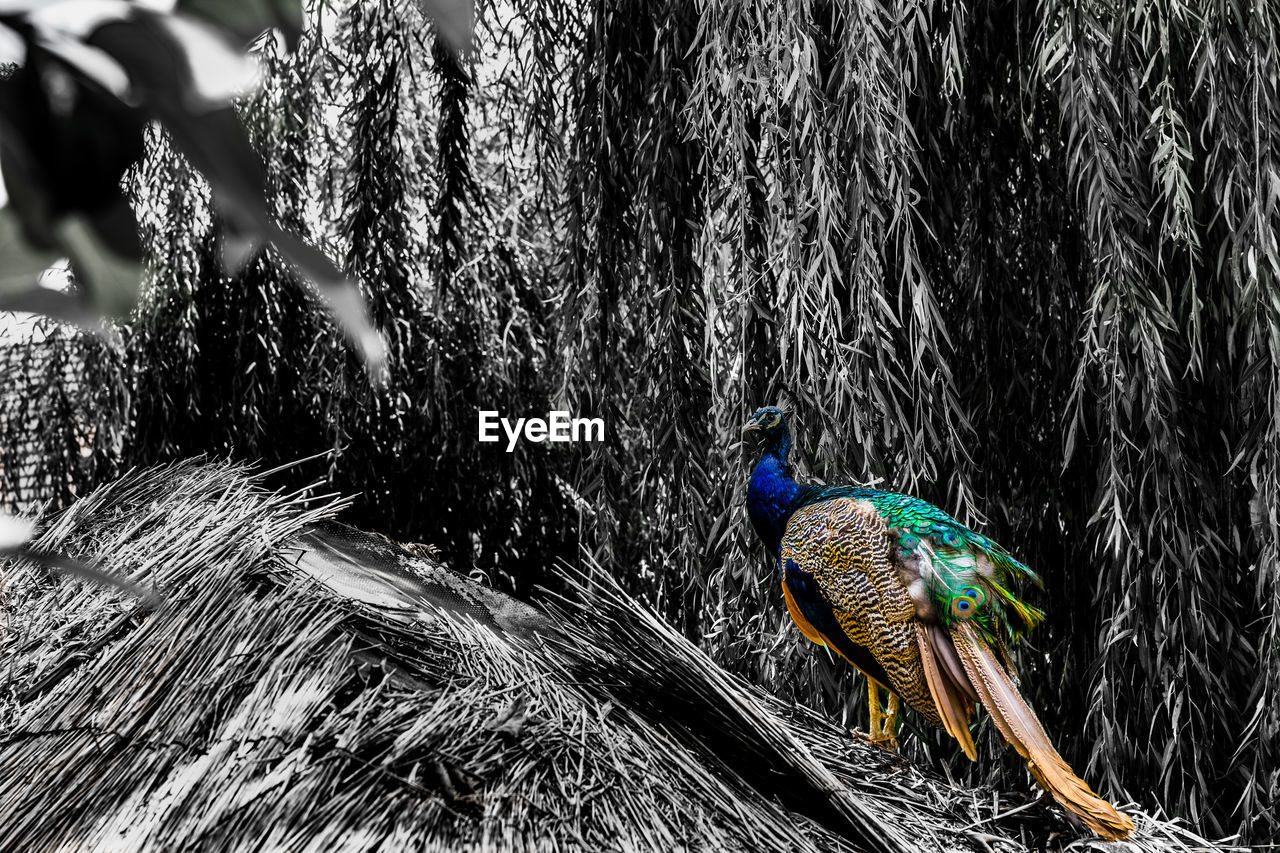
point(768, 423)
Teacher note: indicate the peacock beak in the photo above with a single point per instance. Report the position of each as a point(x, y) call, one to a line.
point(751, 426)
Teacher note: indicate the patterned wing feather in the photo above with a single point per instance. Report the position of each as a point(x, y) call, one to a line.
point(835, 567)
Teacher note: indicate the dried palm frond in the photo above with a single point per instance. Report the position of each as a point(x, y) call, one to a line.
point(310, 685)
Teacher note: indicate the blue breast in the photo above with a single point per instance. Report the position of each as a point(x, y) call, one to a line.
point(771, 498)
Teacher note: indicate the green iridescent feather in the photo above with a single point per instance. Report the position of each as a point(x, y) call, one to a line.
point(956, 587)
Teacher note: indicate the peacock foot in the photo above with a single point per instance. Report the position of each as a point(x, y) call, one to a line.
point(884, 725)
point(889, 742)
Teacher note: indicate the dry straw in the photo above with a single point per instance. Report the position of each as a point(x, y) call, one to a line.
point(308, 687)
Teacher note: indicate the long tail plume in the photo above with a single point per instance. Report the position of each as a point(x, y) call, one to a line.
point(1019, 726)
point(948, 685)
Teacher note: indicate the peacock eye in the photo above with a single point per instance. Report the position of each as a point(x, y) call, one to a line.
point(966, 604)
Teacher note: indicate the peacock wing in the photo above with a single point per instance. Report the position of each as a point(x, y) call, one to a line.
point(843, 592)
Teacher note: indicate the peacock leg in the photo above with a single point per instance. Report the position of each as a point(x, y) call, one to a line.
point(891, 723)
point(884, 727)
point(877, 717)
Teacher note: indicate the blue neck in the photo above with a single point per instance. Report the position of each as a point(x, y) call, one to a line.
point(773, 493)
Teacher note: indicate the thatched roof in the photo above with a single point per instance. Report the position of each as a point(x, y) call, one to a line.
point(305, 686)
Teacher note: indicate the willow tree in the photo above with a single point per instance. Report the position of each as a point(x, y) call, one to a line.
point(367, 142)
point(1017, 258)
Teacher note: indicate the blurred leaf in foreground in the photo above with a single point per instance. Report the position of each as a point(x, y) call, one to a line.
point(71, 123)
point(455, 20)
point(248, 19)
point(15, 536)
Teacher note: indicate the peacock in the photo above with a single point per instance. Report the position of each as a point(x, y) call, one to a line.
point(923, 605)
